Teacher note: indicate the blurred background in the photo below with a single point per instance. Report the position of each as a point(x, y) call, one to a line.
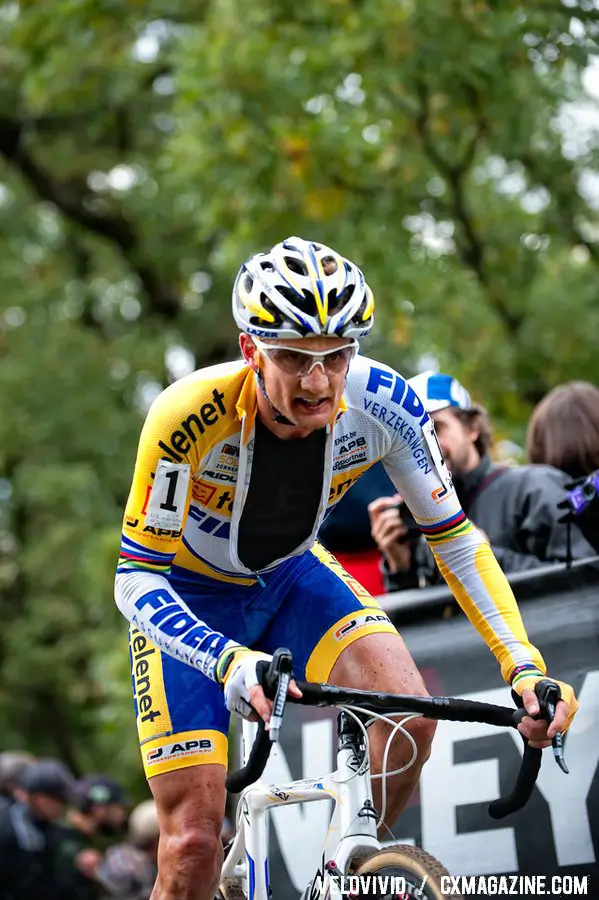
point(449, 147)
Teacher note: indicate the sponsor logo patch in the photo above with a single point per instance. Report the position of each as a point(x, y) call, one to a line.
point(178, 750)
point(191, 428)
point(203, 492)
point(360, 622)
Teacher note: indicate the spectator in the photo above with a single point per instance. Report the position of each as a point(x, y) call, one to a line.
point(100, 807)
point(128, 870)
point(29, 834)
point(516, 507)
point(346, 529)
point(99, 811)
point(13, 766)
point(563, 430)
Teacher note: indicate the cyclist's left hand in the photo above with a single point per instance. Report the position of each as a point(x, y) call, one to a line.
point(537, 731)
point(263, 705)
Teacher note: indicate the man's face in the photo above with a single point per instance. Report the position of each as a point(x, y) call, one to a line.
point(45, 807)
point(456, 441)
point(309, 399)
point(109, 818)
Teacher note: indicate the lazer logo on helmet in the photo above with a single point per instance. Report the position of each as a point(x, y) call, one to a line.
point(193, 427)
point(178, 750)
point(401, 392)
point(260, 332)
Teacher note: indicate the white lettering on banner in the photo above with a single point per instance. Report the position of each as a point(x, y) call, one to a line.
point(301, 828)
point(445, 786)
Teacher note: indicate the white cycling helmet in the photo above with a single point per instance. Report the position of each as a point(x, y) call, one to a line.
point(299, 289)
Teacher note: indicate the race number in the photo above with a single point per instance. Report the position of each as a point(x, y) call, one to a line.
point(169, 492)
point(432, 442)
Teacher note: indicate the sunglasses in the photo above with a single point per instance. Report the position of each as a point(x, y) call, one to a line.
point(301, 362)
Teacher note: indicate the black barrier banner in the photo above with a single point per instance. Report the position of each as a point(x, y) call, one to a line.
point(557, 834)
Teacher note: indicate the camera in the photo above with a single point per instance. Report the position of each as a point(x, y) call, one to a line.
point(583, 494)
point(409, 521)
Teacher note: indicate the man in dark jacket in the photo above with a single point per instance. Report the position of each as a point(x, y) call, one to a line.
point(30, 836)
point(515, 506)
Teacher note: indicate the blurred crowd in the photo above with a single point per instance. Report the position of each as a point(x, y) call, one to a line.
point(544, 511)
point(62, 837)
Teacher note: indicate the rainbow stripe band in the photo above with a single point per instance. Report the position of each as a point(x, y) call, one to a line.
point(136, 556)
point(448, 529)
point(526, 670)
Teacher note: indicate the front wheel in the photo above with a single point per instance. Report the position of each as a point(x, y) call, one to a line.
point(420, 872)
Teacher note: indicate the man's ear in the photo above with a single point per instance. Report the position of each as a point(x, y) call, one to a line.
point(248, 350)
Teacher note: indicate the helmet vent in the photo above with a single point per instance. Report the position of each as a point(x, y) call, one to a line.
point(357, 318)
point(338, 301)
point(296, 265)
point(270, 307)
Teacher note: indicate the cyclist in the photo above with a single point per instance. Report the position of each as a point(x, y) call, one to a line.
point(237, 465)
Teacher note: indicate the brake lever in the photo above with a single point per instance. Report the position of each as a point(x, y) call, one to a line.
point(276, 716)
point(557, 742)
point(275, 678)
point(549, 696)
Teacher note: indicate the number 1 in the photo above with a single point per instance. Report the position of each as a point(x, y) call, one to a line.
point(170, 494)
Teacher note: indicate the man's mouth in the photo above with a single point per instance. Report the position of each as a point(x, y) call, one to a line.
point(312, 404)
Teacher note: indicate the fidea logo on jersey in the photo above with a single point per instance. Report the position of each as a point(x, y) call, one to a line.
point(381, 378)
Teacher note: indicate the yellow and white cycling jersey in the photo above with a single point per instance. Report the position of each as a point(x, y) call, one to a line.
point(191, 480)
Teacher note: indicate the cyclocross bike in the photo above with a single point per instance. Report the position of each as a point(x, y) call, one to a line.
point(352, 847)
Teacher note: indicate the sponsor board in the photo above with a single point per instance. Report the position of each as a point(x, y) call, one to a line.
point(556, 836)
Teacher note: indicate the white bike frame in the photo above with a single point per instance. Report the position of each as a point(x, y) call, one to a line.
point(349, 834)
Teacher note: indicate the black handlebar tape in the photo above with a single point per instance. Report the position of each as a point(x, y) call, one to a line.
point(253, 769)
point(430, 707)
point(525, 782)
point(268, 675)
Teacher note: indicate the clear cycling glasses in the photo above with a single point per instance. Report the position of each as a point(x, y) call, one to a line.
point(298, 362)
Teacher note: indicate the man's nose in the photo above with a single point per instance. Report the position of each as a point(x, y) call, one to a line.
point(316, 380)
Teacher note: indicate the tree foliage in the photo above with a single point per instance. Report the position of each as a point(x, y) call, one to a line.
point(146, 148)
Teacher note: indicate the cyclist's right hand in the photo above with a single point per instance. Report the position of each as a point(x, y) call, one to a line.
point(241, 685)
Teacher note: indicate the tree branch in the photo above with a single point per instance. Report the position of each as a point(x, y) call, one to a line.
point(74, 204)
point(470, 247)
point(564, 210)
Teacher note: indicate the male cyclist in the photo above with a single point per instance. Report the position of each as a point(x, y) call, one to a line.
point(237, 465)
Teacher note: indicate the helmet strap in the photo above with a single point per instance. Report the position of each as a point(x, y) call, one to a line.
point(279, 418)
